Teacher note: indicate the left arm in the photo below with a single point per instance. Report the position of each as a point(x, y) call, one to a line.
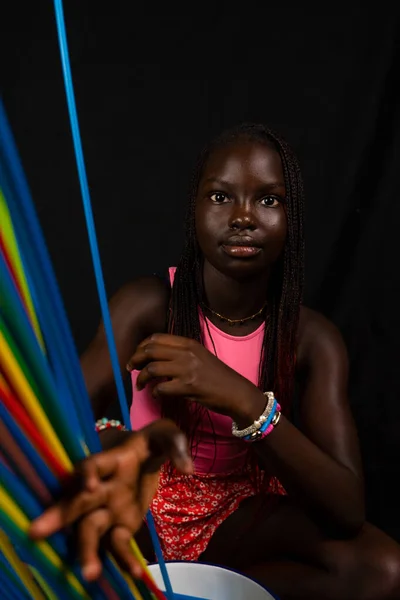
point(320, 464)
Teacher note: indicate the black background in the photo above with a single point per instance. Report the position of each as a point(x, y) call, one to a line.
point(153, 82)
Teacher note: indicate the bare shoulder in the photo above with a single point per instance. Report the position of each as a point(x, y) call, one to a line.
point(137, 310)
point(319, 341)
point(143, 302)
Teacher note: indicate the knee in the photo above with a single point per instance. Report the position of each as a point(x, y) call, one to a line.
point(377, 573)
point(390, 573)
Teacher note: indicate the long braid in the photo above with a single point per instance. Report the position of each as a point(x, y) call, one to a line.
point(277, 361)
point(278, 365)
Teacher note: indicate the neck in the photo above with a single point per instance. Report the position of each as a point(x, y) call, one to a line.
point(232, 298)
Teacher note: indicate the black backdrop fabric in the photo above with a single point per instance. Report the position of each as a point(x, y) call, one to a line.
point(153, 82)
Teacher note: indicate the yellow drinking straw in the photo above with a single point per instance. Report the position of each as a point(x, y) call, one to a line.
point(20, 520)
point(140, 558)
point(132, 587)
point(15, 258)
point(46, 588)
point(19, 567)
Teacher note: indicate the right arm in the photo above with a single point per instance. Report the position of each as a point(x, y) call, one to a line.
point(137, 310)
point(109, 493)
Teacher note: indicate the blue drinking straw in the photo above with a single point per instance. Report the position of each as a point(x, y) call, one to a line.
point(62, 38)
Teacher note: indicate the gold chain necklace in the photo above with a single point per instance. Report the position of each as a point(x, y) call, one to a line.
point(235, 321)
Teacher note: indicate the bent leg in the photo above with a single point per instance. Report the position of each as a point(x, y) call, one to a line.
point(287, 552)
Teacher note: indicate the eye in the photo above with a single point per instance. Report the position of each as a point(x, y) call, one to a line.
point(219, 197)
point(270, 201)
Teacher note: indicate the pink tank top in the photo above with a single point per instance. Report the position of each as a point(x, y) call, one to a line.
point(241, 354)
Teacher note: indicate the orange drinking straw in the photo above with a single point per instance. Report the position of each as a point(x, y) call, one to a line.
point(20, 415)
point(16, 377)
point(12, 449)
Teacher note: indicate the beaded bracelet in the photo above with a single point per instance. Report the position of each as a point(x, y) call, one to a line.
point(241, 433)
point(104, 423)
point(264, 425)
point(267, 427)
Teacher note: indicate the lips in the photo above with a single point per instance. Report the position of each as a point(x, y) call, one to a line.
point(242, 240)
point(241, 247)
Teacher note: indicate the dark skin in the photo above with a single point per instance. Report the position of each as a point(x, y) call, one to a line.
point(312, 544)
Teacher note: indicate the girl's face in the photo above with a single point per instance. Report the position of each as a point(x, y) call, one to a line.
point(240, 209)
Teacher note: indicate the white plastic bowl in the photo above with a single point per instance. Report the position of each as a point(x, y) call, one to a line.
point(210, 582)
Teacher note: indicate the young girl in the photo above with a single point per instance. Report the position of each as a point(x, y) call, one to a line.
point(279, 497)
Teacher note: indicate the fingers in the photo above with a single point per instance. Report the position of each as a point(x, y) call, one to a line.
point(152, 351)
point(49, 522)
point(155, 370)
point(146, 493)
point(166, 339)
point(89, 474)
point(120, 545)
point(85, 492)
point(166, 441)
point(160, 441)
point(102, 465)
point(67, 511)
point(159, 346)
point(171, 388)
point(89, 532)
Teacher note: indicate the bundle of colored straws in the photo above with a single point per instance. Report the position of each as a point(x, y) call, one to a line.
point(46, 422)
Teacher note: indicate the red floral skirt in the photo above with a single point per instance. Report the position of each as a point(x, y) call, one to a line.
point(187, 509)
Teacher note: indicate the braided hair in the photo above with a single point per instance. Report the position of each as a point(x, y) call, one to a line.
point(277, 360)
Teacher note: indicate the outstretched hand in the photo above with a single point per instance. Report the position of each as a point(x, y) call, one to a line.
point(109, 493)
point(182, 367)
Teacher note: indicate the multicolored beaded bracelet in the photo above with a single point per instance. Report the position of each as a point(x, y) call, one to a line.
point(258, 423)
point(267, 427)
point(104, 423)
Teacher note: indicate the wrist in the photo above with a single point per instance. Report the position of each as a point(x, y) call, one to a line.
point(111, 438)
point(250, 409)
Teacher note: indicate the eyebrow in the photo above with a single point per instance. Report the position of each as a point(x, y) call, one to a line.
point(271, 186)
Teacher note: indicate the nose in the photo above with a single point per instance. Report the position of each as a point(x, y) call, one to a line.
point(242, 218)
